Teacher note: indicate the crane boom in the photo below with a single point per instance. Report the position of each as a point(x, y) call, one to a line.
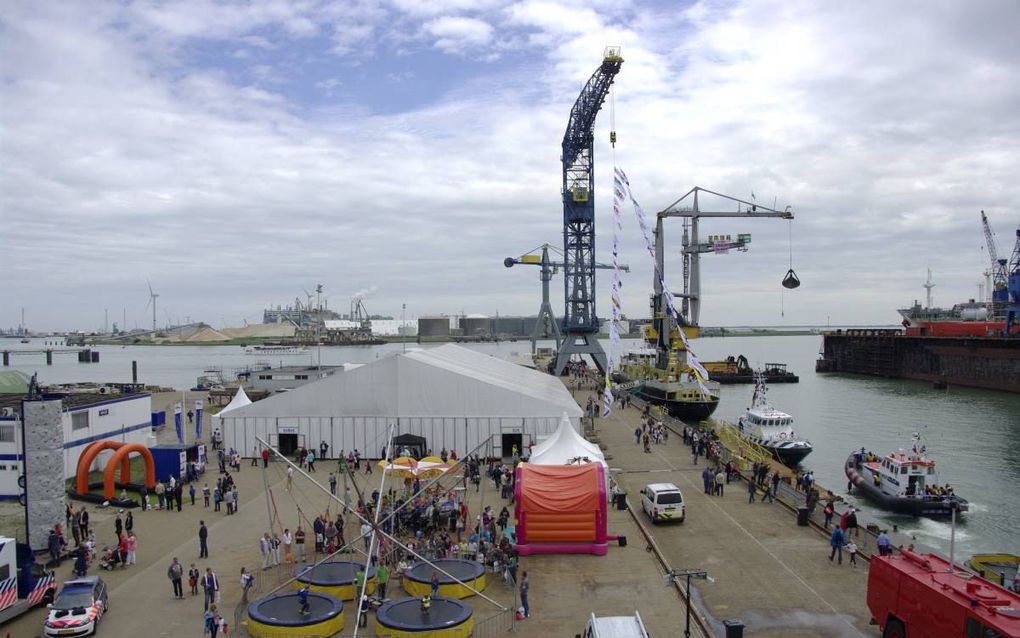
point(580, 322)
point(1000, 295)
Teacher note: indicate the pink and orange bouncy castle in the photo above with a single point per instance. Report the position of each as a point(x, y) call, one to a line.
point(561, 509)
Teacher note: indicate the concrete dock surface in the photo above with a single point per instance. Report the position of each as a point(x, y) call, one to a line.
point(767, 572)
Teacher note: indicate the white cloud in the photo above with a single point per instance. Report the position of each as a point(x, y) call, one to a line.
point(455, 34)
point(887, 127)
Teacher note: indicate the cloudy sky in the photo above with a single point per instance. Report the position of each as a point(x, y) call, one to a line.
point(234, 154)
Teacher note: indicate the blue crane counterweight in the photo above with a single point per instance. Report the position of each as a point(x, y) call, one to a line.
point(1013, 289)
point(580, 323)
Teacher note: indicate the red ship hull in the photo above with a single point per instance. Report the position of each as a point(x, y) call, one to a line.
point(956, 329)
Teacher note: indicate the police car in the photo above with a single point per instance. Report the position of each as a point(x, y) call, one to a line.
point(78, 608)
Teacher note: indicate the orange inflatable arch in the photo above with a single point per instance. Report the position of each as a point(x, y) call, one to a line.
point(121, 455)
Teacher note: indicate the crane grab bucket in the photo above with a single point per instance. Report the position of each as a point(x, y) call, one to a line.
point(791, 280)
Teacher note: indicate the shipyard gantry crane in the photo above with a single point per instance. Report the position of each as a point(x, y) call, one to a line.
point(999, 293)
point(545, 325)
point(689, 208)
point(580, 323)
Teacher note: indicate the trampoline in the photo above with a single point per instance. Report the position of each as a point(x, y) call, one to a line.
point(336, 578)
point(403, 618)
point(281, 615)
point(418, 579)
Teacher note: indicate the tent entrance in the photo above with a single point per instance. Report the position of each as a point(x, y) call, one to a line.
point(508, 441)
point(288, 444)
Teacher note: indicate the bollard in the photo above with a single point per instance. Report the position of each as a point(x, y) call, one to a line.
point(134, 372)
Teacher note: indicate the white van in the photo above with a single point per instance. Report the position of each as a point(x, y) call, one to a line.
point(663, 502)
point(615, 627)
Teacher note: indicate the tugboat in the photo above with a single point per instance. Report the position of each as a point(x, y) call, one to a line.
point(903, 482)
point(683, 400)
point(771, 428)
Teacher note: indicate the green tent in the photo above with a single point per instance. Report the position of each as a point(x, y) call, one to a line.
point(13, 382)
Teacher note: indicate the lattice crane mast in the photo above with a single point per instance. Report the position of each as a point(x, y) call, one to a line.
point(580, 323)
point(1000, 296)
point(1013, 289)
point(545, 325)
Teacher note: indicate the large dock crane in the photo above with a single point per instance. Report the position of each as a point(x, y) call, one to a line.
point(580, 323)
point(999, 293)
point(689, 207)
point(1013, 289)
point(546, 325)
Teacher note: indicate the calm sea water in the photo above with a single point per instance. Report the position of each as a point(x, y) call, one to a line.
point(973, 434)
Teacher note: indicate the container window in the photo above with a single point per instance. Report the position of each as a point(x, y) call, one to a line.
point(79, 420)
point(6, 433)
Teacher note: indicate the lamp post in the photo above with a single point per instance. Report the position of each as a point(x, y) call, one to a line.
point(672, 575)
point(403, 308)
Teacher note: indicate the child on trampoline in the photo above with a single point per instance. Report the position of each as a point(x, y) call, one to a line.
point(303, 597)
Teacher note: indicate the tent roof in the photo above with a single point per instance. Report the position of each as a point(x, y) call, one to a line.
point(239, 401)
point(446, 381)
point(563, 445)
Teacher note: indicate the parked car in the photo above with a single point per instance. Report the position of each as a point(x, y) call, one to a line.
point(663, 502)
point(78, 608)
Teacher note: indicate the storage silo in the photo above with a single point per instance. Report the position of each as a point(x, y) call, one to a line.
point(434, 326)
point(475, 325)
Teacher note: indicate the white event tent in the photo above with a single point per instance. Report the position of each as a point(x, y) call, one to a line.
point(239, 401)
point(455, 397)
point(564, 446)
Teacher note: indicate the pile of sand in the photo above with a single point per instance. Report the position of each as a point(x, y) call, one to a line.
point(260, 330)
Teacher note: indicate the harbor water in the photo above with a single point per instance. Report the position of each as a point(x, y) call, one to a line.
point(974, 435)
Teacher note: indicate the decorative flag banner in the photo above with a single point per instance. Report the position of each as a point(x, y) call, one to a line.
point(198, 420)
point(615, 306)
point(621, 189)
point(178, 425)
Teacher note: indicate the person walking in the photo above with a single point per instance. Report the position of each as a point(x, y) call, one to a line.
point(299, 543)
point(288, 542)
point(212, 588)
point(191, 493)
point(310, 461)
point(265, 547)
point(751, 487)
point(290, 477)
point(828, 511)
point(132, 546)
point(525, 586)
point(203, 540)
point(851, 547)
point(176, 573)
point(265, 457)
point(179, 496)
point(836, 541)
point(247, 581)
point(768, 494)
point(332, 483)
point(83, 522)
point(720, 481)
point(382, 575)
point(884, 544)
point(212, 621)
point(276, 549)
point(851, 524)
point(205, 495)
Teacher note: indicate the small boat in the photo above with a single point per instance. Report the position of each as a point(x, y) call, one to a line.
point(26, 341)
point(738, 370)
point(903, 482)
point(998, 568)
point(277, 349)
point(683, 400)
point(771, 428)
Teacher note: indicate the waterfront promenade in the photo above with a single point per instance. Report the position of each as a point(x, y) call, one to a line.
point(766, 571)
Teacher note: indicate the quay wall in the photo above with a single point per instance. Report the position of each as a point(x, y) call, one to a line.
point(979, 362)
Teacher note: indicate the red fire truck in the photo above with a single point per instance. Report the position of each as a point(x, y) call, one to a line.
point(923, 596)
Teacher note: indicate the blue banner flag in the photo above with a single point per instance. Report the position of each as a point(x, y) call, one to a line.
point(178, 425)
point(198, 420)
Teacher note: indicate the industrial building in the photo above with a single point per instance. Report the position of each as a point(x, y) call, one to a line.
point(287, 378)
point(454, 397)
point(85, 417)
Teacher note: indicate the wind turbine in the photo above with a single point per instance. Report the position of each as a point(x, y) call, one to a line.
point(152, 302)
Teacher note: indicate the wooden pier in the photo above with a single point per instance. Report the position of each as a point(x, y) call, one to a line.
point(85, 355)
